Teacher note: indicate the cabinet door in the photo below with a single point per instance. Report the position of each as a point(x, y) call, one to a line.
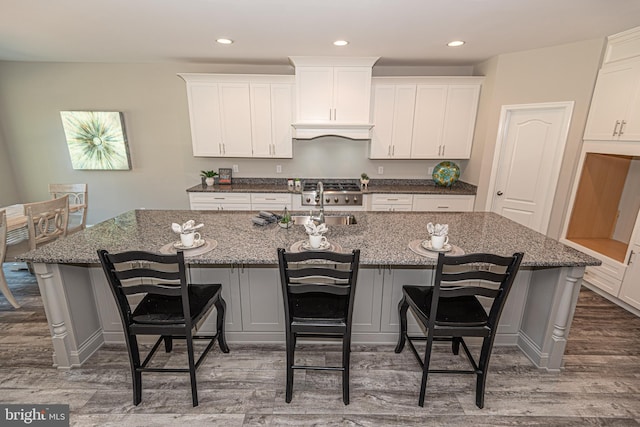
point(428, 121)
point(229, 278)
point(261, 125)
point(281, 119)
point(314, 94)
point(612, 96)
point(204, 114)
point(383, 113)
point(351, 94)
point(630, 289)
point(630, 129)
point(235, 115)
point(393, 118)
point(459, 121)
point(261, 300)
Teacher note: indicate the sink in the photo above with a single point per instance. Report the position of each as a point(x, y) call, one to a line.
point(328, 219)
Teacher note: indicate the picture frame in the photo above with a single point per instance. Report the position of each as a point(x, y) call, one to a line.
point(96, 140)
point(224, 175)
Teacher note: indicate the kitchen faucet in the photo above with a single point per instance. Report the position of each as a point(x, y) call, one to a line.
point(320, 198)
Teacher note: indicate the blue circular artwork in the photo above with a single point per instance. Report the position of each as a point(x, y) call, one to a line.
point(446, 173)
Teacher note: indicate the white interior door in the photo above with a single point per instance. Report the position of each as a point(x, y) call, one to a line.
point(527, 161)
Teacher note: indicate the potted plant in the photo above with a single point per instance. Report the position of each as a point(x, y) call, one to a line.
point(285, 221)
point(209, 176)
point(364, 180)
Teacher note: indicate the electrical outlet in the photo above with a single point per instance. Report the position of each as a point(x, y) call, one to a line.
point(430, 171)
point(380, 170)
point(278, 168)
point(235, 168)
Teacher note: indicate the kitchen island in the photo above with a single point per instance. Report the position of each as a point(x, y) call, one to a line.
point(82, 314)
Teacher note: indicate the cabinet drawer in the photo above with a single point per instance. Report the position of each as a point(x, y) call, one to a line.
point(597, 277)
point(271, 198)
point(423, 202)
point(391, 199)
point(390, 208)
point(220, 198)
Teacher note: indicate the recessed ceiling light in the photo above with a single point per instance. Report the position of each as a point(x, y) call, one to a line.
point(340, 43)
point(224, 41)
point(455, 43)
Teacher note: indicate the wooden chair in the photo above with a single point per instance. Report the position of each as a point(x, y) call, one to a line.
point(451, 312)
point(4, 287)
point(318, 302)
point(77, 203)
point(171, 308)
point(47, 220)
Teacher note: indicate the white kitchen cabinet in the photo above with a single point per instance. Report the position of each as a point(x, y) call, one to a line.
point(442, 203)
point(393, 112)
point(240, 115)
point(275, 202)
point(392, 202)
point(271, 116)
point(333, 90)
point(220, 201)
point(615, 106)
point(630, 288)
point(424, 117)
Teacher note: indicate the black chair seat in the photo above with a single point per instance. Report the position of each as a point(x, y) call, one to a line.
point(456, 311)
point(162, 309)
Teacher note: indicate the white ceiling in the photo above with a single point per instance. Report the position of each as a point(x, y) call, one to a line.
point(401, 32)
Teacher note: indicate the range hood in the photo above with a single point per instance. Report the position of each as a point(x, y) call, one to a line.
point(333, 96)
point(314, 130)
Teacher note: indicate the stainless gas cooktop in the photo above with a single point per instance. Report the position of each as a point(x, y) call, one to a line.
point(335, 193)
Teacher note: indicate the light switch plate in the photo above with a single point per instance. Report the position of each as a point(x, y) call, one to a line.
point(380, 170)
point(278, 168)
point(235, 168)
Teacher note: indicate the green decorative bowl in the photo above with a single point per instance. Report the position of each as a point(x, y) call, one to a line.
point(446, 174)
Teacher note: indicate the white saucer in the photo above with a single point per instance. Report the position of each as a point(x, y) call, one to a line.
point(323, 247)
point(427, 245)
point(196, 244)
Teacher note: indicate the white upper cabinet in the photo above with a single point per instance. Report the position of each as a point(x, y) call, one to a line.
point(424, 117)
point(333, 96)
point(393, 118)
point(615, 107)
point(271, 114)
point(240, 115)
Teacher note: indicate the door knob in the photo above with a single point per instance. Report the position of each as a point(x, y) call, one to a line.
point(499, 193)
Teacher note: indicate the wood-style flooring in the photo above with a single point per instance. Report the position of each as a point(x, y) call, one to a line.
point(599, 387)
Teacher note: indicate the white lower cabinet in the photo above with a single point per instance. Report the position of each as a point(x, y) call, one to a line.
point(220, 201)
point(443, 203)
point(393, 280)
point(630, 287)
point(392, 202)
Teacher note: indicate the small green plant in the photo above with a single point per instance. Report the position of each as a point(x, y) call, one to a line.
point(364, 176)
point(208, 174)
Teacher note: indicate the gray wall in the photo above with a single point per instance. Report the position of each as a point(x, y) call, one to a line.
point(558, 73)
point(8, 190)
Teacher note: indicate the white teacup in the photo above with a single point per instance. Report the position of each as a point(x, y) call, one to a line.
point(438, 242)
point(317, 241)
point(188, 239)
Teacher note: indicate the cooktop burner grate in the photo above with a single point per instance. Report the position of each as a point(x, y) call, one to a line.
point(332, 186)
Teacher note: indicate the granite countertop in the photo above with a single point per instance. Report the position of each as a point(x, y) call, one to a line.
point(381, 186)
point(383, 238)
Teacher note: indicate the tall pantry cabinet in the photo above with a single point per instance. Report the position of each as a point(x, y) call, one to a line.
point(604, 219)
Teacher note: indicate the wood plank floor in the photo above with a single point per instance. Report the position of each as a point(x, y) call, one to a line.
point(599, 387)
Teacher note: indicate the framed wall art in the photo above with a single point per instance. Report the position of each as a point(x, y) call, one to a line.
point(96, 140)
